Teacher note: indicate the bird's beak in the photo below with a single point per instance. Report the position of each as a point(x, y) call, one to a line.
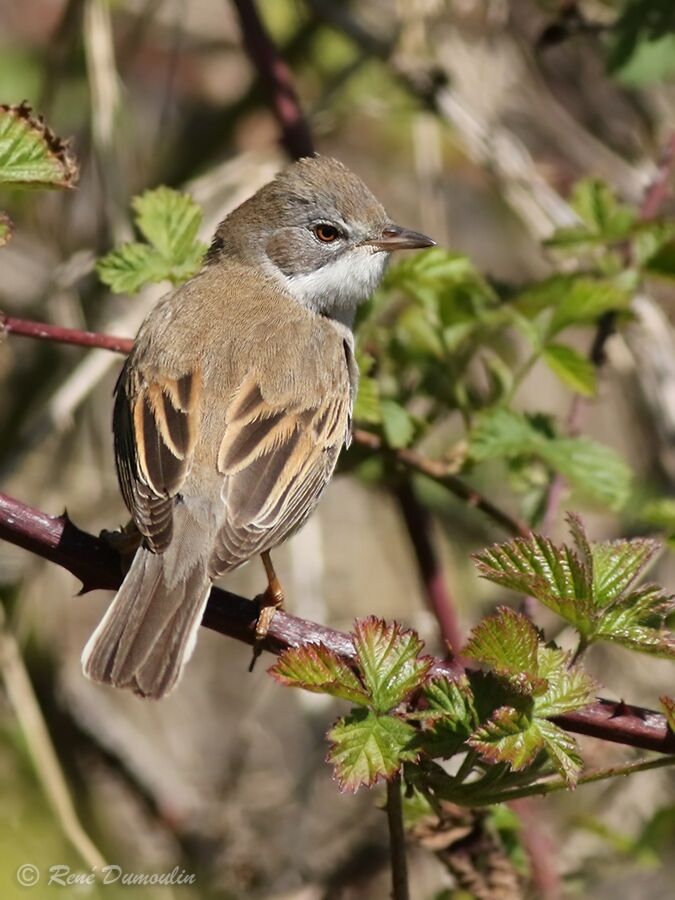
point(394, 237)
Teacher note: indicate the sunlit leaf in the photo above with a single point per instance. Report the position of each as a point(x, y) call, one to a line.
point(30, 152)
point(169, 220)
point(509, 736)
point(508, 643)
point(316, 668)
point(398, 425)
point(573, 369)
point(367, 747)
point(389, 660)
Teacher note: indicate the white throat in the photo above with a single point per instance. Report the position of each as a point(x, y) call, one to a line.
point(337, 288)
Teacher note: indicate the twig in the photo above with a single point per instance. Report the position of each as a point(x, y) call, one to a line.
point(438, 471)
point(95, 564)
point(277, 78)
point(399, 865)
point(418, 525)
point(45, 332)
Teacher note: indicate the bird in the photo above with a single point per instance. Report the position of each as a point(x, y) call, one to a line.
point(233, 406)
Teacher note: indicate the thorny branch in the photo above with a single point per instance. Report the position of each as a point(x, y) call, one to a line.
point(96, 565)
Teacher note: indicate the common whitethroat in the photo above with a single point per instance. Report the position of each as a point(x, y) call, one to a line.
point(234, 404)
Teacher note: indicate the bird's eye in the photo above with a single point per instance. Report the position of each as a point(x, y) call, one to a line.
point(326, 233)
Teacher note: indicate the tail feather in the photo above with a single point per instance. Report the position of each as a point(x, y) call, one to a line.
point(149, 631)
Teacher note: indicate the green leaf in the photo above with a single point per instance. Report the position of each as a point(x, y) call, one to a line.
point(170, 221)
point(501, 433)
point(535, 566)
point(590, 587)
point(130, 267)
point(367, 747)
point(586, 302)
point(508, 736)
point(662, 263)
point(367, 405)
point(660, 513)
point(617, 564)
point(596, 470)
point(573, 369)
point(389, 661)
point(597, 207)
point(6, 228)
point(508, 642)
point(562, 750)
point(568, 688)
point(316, 668)
point(397, 423)
point(635, 621)
point(452, 716)
point(30, 152)
point(642, 44)
point(571, 300)
point(418, 333)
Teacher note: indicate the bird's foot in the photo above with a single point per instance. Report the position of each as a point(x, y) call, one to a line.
point(268, 604)
point(124, 541)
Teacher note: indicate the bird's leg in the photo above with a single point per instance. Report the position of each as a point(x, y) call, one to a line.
point(125, 541)
point(268, 602)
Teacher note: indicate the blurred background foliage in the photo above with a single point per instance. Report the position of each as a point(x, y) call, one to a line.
point(532, 355)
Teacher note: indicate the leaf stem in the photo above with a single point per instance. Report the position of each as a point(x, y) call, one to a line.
point(582, 647)
point(550, 787)
point(399, 864)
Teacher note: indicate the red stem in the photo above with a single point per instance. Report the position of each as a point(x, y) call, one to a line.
point(45, 332)
point(92, 561)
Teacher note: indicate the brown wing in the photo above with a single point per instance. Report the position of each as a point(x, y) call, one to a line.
point(276, 461)
point(155, 427)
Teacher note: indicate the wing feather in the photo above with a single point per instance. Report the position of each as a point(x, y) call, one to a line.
point(156, 427)
point(275, 460)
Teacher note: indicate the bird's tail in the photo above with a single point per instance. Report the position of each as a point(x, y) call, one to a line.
point(150, 629)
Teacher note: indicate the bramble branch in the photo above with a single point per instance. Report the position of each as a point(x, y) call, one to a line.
point(95, 564)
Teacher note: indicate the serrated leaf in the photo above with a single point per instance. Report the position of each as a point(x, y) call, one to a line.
point(452, 716)
point(535, 566)
point(562, 750)
point(508, 736)
point(567, 688)
point(6, 228)
point(367, 747)
point(397, 424)
point(508, 642)
point(314, 667)
point(635, 621)
point(573, 369)
point(30, 152)
point(127, 269)
point(169, 221)
point(617, 564)
point(388, 658)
